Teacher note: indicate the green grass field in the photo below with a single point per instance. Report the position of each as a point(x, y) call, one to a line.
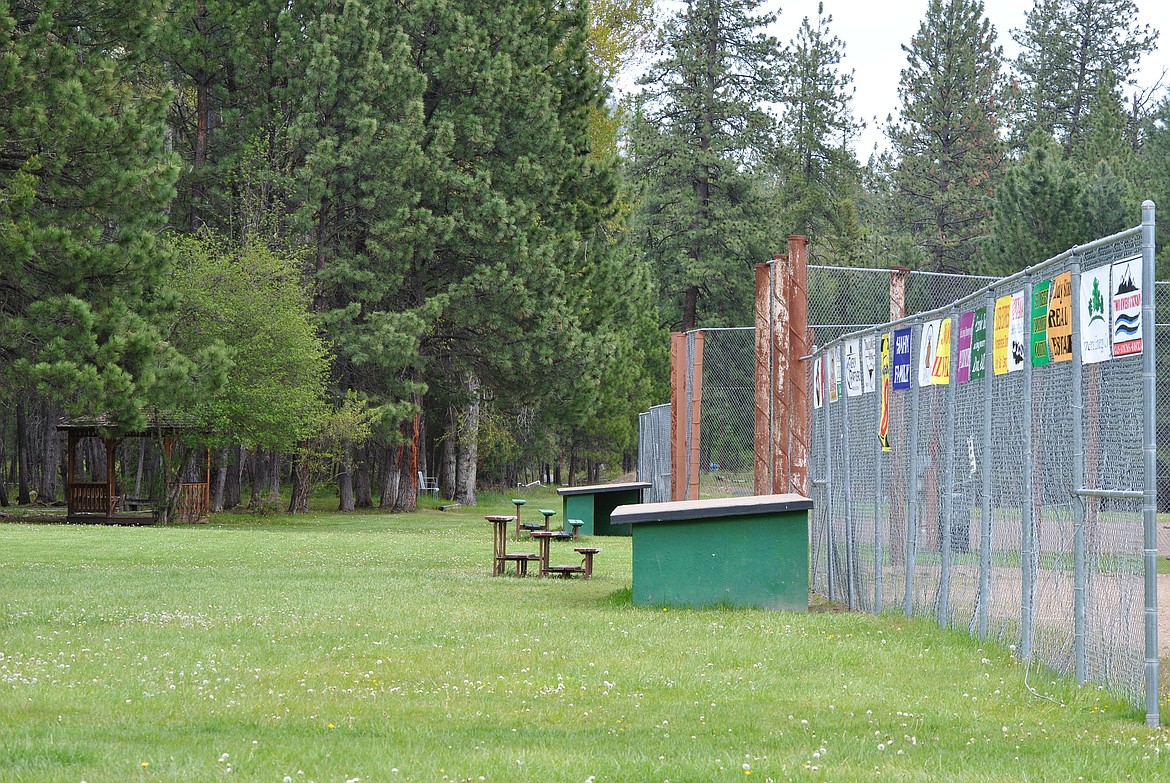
point(379, 648)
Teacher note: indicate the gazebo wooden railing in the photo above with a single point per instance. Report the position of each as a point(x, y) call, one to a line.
point(90, 501)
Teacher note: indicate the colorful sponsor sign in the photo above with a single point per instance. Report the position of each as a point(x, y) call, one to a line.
point(1041, 293)
point(1095, 344)
point(1000, 334)
point(1127, 307)
point(1060, 304)
point(902, 338)
point(966, 333)
point(853, 367)
point(979, 345)
point(869, 367)
point(927, 345)
point(834, 372)
point(884, 421)
point(1018, 333)
point(940, 371)
point(818, 382)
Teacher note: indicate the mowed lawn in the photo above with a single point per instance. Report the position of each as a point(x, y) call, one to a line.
point(379, 648)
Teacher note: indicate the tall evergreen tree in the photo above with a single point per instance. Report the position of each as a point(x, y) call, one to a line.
point(1070, 50)
point(818, 167)
point(1038, 208)
point(947, 135)
point(700, 132)
point(509, 199)
point(84, 188)
point(355, 130)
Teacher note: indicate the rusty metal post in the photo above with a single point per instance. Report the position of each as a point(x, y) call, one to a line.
point(782, 419)
point(762, 472)
point(696, 400)
point(799, 344)
point(678, 417)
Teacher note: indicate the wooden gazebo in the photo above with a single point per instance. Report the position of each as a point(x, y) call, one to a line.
point(102, 501)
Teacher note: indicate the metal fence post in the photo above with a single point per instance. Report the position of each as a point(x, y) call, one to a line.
point(1150, 435)
point(912, 510)
point(948, 510)
point(877, 487)
point(847, 488)
point(1028, 542)
point(830, 539)
point(1080, 573)
point(985, 511)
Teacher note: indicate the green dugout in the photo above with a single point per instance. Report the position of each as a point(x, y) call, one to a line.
point(743, 552)
point(594, 504)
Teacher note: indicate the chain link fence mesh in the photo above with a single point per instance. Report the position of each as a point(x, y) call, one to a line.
point(943, 525)
point(1009, 505)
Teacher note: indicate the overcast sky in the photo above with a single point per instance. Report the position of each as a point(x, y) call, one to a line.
point(874, 31)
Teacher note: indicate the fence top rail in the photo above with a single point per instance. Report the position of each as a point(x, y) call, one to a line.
point(887, 270)
point(720, 329)
point(1019, 276)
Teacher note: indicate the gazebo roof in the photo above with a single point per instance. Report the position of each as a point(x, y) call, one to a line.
point(103, 426)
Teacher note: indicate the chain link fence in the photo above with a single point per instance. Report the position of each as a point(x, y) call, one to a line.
point(654, 452)
point(844, 299)
point(972, 466)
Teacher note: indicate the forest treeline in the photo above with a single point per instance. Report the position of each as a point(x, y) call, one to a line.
point(348, 241)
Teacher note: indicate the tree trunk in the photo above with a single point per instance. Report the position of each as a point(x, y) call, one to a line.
point(448, 468)
point(47, 486)
point(256, 472)
point(363, 495)
point(233, 488)
point(221, 471)
point(690, 306)
point(299, 497)
point(388, 490)
point(274, 477)
point(406, 499)
point(345, 478)
point(468, 446)
point(22, 496)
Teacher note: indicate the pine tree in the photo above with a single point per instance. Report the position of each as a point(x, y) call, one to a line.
point(1069, 50)
point(947, 135)
point(1037, 211)
point(700, 132)
point(84, 188)
point(818, 170)
point(509, 199)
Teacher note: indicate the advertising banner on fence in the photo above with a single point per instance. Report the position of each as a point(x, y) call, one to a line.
point(1000, 334)
point(853, 367)
point(1060, 318)
point(818, 382)
point(1127, 308)
point(869, 363)
point(1017, 333)
point(966, 332)
point(902, 338)
point(834, 372)
point(927, 345)
point(979, 345)
point(940, 371)
point(884, 421)
point(1040, 295)
point(1094, 316)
